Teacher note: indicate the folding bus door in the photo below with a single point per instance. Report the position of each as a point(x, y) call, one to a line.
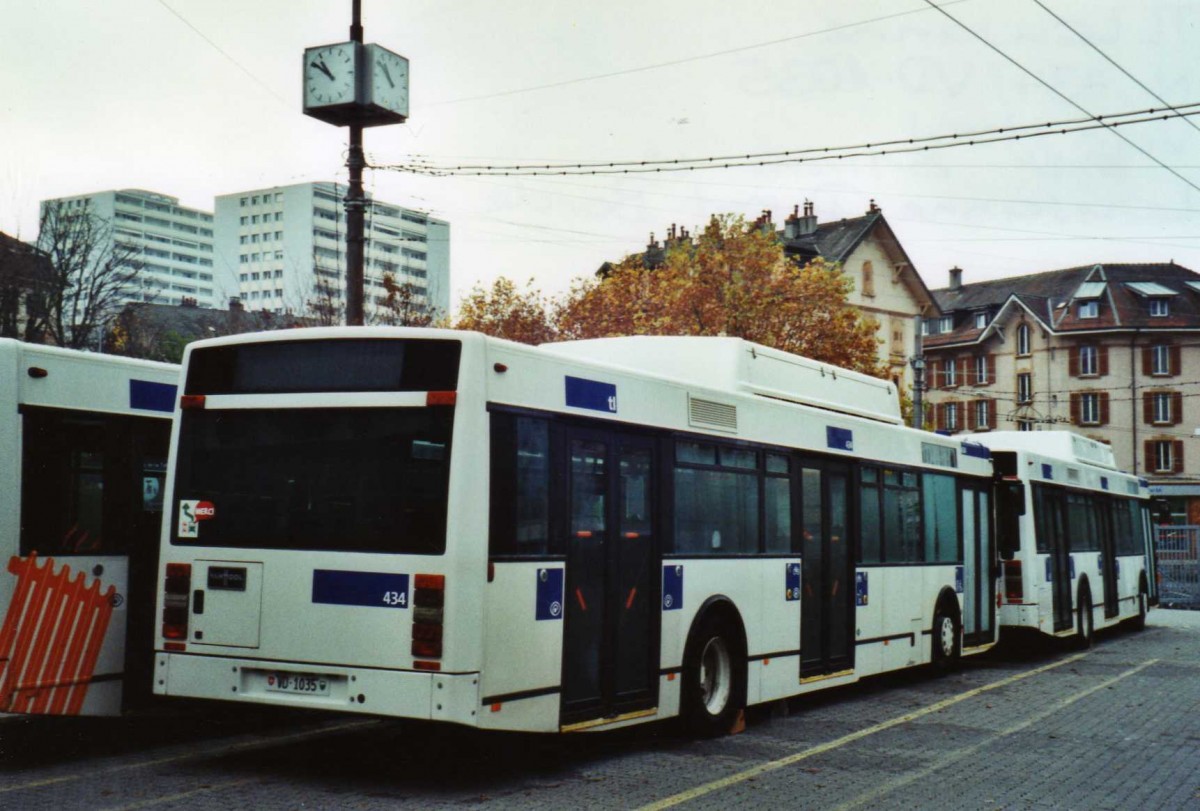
point(1108, 555)
point(827, 570)
point(1052, 538)
point(979, 561)
point(610, 647)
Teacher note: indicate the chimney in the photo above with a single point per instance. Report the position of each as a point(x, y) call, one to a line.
point(955, 278)
point(808, 223)
point(791, 226)
point(872, 208)
point(235, 305)
point(653, 243)
point(187, 301)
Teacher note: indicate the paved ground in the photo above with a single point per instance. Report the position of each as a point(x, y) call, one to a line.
point(1117, 727)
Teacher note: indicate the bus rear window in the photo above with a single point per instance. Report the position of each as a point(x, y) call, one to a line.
point(346, 365)
point(348, 480)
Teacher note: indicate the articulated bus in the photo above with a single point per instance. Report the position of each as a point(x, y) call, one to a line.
point(83, 457)
point(1073, 534)
point(438, 525)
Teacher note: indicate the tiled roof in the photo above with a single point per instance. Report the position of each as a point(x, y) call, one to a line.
point(832, 241)
point(1046, 295)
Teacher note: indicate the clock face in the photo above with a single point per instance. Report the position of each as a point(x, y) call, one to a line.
point(329, 75)
point(389, 80)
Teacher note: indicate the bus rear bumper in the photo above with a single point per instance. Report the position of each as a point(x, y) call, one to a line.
point(450, 697)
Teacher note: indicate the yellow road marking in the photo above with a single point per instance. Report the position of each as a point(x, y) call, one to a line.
point(210, 752)
point(743, 776)
point(180, 795)
point(887, 788)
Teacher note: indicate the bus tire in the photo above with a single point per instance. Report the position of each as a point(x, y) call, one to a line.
point(947, 647)
point(1085, 628)
point(714, 677)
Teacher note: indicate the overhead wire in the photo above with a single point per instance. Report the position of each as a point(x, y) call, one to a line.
point(808, 155)
point(1109, 59)
point(1056, 91)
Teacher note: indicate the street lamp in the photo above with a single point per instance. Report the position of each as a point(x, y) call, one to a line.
point(918, 366)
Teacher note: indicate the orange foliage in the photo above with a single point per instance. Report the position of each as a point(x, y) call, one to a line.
point(505, 312)
point(733, 281)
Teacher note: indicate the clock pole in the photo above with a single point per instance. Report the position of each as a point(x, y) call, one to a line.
point(355, 202)
point(355, 85)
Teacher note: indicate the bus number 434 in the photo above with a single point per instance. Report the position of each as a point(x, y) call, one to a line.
point(395, 598)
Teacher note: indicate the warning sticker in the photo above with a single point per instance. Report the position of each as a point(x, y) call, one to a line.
point(191, 513)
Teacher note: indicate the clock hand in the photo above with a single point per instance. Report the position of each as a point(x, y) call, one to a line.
point(388, 75)
point(322, 67)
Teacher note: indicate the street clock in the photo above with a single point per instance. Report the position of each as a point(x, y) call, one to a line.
point(351, 83)
point(332, 84)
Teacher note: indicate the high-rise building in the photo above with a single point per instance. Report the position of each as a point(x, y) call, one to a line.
point(286, 248)
point(173, 243)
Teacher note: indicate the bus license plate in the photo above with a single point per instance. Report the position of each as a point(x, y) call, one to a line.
point(308, 684)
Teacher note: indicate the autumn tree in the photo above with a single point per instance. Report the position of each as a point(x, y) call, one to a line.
point(92, 274)
point(731, 280)
point(404, 304)
point(506, 312)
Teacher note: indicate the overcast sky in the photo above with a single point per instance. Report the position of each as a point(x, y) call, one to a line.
point(196, 98)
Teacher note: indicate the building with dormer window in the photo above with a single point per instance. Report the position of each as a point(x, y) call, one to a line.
point(1112, 351)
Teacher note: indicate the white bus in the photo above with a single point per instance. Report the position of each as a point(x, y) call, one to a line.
point(439, 525)
point(1073, 535)
point(83, 448)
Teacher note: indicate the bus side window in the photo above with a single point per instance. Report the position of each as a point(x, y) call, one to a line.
point(520, 488)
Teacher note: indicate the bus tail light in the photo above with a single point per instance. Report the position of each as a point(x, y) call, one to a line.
point(175, 600)
point(1014, 589)
point(429, 600)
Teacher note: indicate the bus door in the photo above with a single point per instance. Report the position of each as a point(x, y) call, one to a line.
point(1052, 539)
point(827, 571)
point(610, 650)
point(979, 560)
point(1108, 556)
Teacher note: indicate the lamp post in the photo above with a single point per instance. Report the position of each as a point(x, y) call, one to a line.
point(918, 366)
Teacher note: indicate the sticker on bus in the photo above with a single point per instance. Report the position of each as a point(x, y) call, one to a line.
point(793, 581)
point(191, 513)
point(672, 588)
point(860, 588)
point(549, 594)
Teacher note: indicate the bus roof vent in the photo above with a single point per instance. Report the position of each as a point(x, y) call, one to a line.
point(709, 414)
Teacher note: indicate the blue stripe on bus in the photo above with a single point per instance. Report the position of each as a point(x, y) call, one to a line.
point(373, 589)
point(977, 450)
point(672, 587)
point(150, 396)
point(591, 394)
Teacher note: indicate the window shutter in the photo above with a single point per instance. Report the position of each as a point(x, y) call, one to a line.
point(1104, 408)
point(1147, 408)
point(931, 376)
point(1102, 350)
point(1076, 418)
point(939, 416)
point(991, 415)
point(1177, 456)
point(1073, 361)
point(1147, 360)
point(1176, 407)
point(1148, 448)
point(1176, 365)
point(991, 368)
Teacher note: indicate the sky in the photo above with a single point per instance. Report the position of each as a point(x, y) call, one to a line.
point(196, 98)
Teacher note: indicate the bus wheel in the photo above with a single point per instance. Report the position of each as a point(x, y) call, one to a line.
point(712, 678)
point(945, 638)
point(1085, 628)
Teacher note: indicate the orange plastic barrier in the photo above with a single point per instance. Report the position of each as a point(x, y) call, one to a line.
point(51, 638)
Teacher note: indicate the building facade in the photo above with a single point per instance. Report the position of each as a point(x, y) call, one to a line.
point(173, 243)
point(1110, 351)
point(285, 249)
